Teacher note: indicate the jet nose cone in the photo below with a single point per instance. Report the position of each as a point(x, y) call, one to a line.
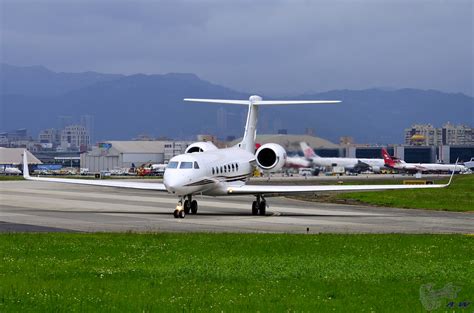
point(169, 182)
point(174, 182)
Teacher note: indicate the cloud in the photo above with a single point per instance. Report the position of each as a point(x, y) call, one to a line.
point(274, 47)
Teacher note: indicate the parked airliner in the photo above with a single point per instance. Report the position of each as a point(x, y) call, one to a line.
point(297, 162)
point(421, 167)
point(206, 170)
point(350, 164)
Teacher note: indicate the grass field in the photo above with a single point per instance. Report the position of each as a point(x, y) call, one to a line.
point(457, 197)
point(10, 177)
point(231, 272)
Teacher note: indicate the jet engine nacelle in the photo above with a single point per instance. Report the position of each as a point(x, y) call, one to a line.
point(270, 157)
point(200, 147)
point(376, 169)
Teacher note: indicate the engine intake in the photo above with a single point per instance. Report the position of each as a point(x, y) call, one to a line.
point(200, 147)
point(271, 157)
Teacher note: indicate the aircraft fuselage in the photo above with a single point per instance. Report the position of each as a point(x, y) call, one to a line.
point(209, 172)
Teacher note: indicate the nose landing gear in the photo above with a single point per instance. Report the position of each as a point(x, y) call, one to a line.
point(179, 212)
point(188, 206)
point(259, 206)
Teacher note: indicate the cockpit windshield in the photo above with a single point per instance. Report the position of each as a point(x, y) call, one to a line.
point(186, 165)
point(172, 165)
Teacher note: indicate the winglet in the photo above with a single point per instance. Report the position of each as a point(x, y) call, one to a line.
point(26, 171)
point(452, 174)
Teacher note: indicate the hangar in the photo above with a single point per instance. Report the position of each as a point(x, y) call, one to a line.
point(110, 155)
point(291, 143)
point(14, 157)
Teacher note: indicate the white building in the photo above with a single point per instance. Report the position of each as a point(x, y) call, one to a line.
point(428, 135)
point(456, 135)
point(125, 154)
point(50, 135)
point(75, 137)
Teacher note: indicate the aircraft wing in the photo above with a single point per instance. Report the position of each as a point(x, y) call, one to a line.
point(91, 182)
point(103, 183)
point(292, 189)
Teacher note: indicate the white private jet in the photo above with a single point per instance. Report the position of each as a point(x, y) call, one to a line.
point(204, 169)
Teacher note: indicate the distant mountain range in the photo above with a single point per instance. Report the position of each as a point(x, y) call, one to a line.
point(125, 106)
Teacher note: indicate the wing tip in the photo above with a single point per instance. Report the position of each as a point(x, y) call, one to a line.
point(452, 174)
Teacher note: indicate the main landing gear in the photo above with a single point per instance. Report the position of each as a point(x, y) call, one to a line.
point(259, 206)
point(188, 206)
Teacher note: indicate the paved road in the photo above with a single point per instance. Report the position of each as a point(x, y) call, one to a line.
point(41, 206)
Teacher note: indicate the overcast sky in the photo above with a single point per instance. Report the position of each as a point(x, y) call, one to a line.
point(270, 47)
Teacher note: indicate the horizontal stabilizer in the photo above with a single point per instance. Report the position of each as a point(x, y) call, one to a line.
point(241, 102)
point(278, 102)
point(256, 100)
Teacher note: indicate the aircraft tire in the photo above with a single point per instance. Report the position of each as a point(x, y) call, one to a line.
point(262, 208)
point(181, 214)
point(176, 213)
point(194, 207)
point(254, 208)
point(186, 206)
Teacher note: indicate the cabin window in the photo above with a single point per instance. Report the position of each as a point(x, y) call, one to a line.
point(196, 165)
point(186, 165)
point(237, 166)
point(233, 167)
point(222, 171)
point(212, 171)
point(172, 165)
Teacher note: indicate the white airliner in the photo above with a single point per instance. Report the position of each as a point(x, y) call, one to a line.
point(297, 162)
point(204, 169)
point(10, 171)
point(422, 167)
point(350, 164)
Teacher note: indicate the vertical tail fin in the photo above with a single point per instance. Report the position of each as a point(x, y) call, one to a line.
point(308, 151)
point(388, 160)
point(250, 133)
point(26, 171)
point(248, 141)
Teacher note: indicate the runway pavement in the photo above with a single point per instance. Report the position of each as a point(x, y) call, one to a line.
point(40, 206)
